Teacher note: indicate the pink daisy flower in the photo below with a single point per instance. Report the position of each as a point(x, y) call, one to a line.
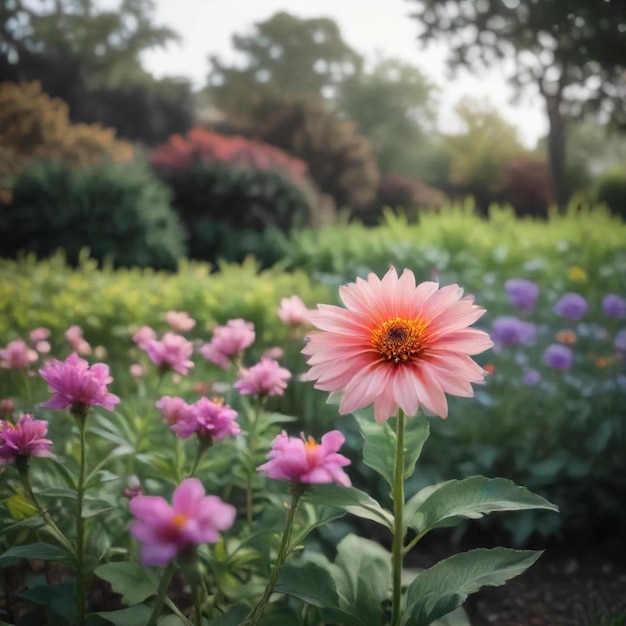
point(172, 352)
point(293, 311)
point(167, 531)
point(396, 345)
point(208, 419)
point(228, 342)
point(306, 461)
point(17, 355)
point(266, 378)
point(24, 439)
point(76, 385)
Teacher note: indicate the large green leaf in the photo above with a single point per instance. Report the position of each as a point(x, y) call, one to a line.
point(234, 617)
point(437, 591)
point(35, 551)
point(60, 599)
point(379, 446)
point(472, 498)
point(132, 616)
point(134, 582)
point(351, 500)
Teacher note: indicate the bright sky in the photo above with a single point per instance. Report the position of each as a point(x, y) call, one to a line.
point(368, 26)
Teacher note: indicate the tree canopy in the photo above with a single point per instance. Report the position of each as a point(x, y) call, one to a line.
point(574, 52)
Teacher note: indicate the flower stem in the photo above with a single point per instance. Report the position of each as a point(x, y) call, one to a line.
point(81, 583)
point(58, 534)
point(251, 453)
point(283, 551)
point(398, 513)
point(159, 601)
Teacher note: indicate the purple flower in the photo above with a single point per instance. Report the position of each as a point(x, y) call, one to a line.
point(266, 378)
point(619, 343)
point(17, 355)
point(511, 331)
point(208, 419)
point(172, 352)
point(24, 439)
point(522, 293)
point(571, 306)
point(531, 377)
point(76, 385)
point(228, 341)
point(558, 357)
point(167, 531)
point(614, 305)
point(306, 461)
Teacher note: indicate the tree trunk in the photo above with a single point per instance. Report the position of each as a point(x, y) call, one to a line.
point(556, 147)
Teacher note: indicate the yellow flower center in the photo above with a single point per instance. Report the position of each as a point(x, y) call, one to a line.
point(310, 446)
point(179, 520)
point(399, 340)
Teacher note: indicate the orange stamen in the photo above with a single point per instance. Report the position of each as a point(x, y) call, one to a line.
point(398, 339)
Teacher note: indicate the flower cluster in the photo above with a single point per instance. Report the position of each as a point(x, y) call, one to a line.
point(228, 342)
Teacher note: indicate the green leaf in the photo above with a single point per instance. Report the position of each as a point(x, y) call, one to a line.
point(65, 473)
point(234, 617)
point(36, 551)
point(61, 599)
point(172, 620)
point(351, 500)
point(469, 498)
point(20, 506)
point(132, 616)
point(437, 591)
point(379, 447)
point(134, 582)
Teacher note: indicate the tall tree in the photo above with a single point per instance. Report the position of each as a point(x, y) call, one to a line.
point(285, 54)
point(392, 104)
point(573, 51)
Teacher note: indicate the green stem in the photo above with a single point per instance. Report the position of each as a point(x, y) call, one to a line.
point(251, 453)
point(58, 534)
point(81, 583)
point(203, 444)
point(283, 551)
point(398, 513)
point(159, 601)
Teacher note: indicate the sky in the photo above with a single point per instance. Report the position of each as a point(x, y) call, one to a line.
point(369, 26)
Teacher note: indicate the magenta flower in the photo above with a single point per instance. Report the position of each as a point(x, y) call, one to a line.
point(558, 357)
point(24, 439)
point(614, 305)
point(144, 336)
point(522, 293)
point(293, 311)
point(173, 409)
point(180, 320)
point(76, 385)
point(306, 461)
point(571, 306)
point(74, 336)
point(396, 345)
point(17, 355)
point(228, 342)
point(167, 531)
point(172, 352)
point(208, 419)
point(266, 378)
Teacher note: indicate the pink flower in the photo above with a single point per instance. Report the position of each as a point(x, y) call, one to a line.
point(180, 320)
point(43, 347)
point(293, 311)
point(396, 345)
point(228, 341)
point(39, 334)
point(208, 419)
point(173, 409)
point(74, 335)
point(297, 460)
point(17, 355)
point(167, 531)
point(266, 378)
point(144, 336)
point(23, 440)
point(76, 385)
point(172, 352)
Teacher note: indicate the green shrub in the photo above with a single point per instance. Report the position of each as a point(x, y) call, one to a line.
point(230, 212)
point(120, 212)
point(610, 189)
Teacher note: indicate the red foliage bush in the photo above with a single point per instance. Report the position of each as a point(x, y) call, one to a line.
point(527, 186)
point(203, 146)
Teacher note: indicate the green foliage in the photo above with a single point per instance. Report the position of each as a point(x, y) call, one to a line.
point(610, 189)
point(121, 213)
